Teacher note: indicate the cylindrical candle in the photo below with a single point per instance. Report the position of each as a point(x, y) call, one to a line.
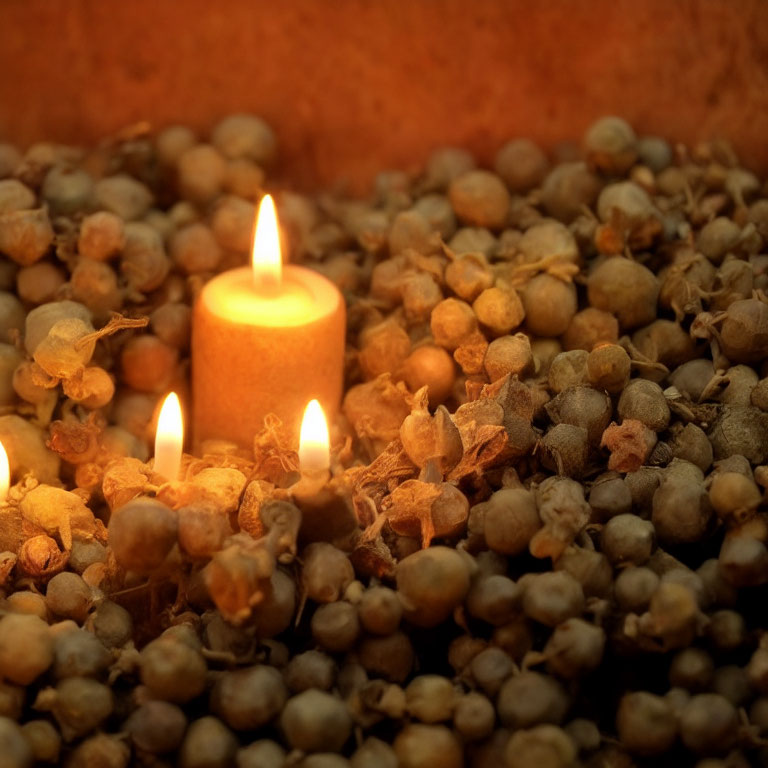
point(270, 351)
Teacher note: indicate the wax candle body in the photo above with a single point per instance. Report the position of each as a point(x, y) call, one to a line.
point(256, 353)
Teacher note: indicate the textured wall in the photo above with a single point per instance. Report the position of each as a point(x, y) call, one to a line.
point(356, 85)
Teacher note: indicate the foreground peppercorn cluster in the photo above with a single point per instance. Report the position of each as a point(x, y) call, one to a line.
point(544, 543)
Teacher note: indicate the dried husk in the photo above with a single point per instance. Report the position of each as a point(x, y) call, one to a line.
point(564, 513)
point(61, 514)
point(426, 510)
point(238, 576)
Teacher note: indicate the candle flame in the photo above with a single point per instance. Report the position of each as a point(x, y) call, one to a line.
point(169, 438)
point(5, 473)
point(266, 258)
point(314, 443)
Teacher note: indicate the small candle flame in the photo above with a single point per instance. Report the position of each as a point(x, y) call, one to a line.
point(266, 258)
point(314, 443)
point(169, 438)
point(5, 473)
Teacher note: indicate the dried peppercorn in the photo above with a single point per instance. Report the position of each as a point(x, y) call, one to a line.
point(646, 723)
point(315, 721)
point(30, 633)
point(207, 742)
point(626, 289)
point(128, 530)
point(249, 698)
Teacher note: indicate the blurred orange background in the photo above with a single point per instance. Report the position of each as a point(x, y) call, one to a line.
point(354, 86)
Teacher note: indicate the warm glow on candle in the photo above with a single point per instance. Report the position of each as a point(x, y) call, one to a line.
point(5, 473)
point(314, 450)
point(169, 439)
point(266, 259)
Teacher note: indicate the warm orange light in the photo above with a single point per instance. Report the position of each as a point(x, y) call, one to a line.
point(266, 259)
point(314, 450)
point(169, 438)
point(5, 473)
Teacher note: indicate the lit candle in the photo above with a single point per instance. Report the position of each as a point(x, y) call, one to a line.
point(327, 513)
point(265, 339)
point(5, 474)
point(169, 439)
point(314, 443)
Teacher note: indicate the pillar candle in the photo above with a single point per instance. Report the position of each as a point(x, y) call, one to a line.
point(265, 339)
